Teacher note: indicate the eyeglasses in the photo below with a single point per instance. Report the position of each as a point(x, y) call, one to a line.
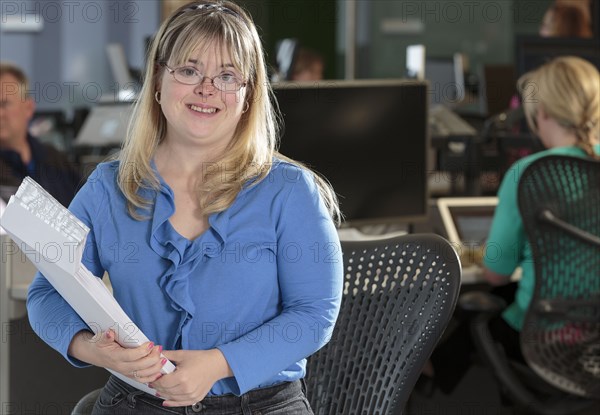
point(188, 75)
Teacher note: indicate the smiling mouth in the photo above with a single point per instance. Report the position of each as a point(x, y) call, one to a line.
point(203, 110)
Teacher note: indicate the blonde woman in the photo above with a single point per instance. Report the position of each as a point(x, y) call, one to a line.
point(222, 251)
point(561, 100)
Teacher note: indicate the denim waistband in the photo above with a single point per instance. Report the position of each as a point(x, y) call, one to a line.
point(226, 404)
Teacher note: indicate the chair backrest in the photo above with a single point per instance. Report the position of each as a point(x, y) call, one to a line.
point(559, 201)
point(85, 405)
point(399, 294)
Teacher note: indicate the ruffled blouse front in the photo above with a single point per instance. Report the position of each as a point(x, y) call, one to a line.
point(183, 255)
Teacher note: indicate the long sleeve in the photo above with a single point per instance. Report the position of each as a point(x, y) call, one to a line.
point(310, 272)
point(50, 316)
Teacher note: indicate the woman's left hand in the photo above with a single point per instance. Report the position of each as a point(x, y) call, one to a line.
point(196, 373)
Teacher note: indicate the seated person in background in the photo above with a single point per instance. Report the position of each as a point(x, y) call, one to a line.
point(23, 155)
point(565, 113)
point(564, 20)
point(308, 66)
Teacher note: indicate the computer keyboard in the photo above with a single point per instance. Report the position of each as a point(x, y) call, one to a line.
point(443, 122)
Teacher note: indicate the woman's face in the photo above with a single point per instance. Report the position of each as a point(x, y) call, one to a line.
point(201, 114)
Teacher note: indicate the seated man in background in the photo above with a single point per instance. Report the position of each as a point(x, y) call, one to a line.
point(23, 155)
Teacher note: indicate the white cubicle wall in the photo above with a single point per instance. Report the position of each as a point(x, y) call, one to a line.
point(17, 274)
point(34, 378)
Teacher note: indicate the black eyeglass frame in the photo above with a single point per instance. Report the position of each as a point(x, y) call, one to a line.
point(241, 85)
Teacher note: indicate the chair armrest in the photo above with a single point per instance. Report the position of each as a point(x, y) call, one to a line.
point(482, 302)
point(548, 217)
point(86, 404)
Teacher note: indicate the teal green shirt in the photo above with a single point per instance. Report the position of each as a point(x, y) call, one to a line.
point(507, 247)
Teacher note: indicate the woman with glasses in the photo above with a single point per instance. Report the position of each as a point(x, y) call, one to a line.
point(222, 251)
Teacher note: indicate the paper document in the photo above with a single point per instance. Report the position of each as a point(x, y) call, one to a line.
point(53, 239)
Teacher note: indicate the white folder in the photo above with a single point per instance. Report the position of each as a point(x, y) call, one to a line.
point(53, 239)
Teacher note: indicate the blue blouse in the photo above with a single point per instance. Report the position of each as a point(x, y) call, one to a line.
point(263, 283)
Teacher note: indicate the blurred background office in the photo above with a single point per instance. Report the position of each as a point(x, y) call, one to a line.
point(455, 135)
point(62, 46)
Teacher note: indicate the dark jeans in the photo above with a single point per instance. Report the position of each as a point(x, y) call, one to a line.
point(118, 398)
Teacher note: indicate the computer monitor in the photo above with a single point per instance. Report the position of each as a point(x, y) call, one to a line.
point(105, 126)
point(127, 86)
point(51, 127)
point(446, 79)
point(534, 51)
point(368, 138)
point(467, 220)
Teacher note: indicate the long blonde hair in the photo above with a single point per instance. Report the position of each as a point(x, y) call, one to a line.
point(251, 151)
point(568, 89)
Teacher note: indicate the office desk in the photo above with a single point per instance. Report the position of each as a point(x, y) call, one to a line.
point(473, 274)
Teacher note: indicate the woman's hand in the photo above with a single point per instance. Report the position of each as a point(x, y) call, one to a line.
point(196, 373)
point(495, 279)
point(142, 363)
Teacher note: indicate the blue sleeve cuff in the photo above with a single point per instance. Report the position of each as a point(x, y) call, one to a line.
point(240, 385)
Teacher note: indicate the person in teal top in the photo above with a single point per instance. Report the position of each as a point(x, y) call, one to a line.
point(221, 250)
point(561, 100)
point(561, 103)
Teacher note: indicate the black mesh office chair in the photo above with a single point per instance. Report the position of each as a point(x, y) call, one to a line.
point(399, 295)
point(86, 404)
point(559, 201)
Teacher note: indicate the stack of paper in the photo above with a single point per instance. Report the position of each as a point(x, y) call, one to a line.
point(53, 239)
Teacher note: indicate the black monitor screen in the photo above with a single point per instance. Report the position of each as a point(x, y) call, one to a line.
point(368, 138)
point(534, 51)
